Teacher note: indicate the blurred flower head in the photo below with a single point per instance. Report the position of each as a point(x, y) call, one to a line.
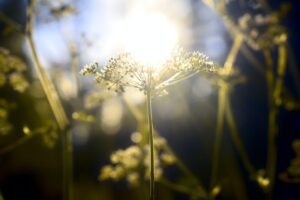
point(133, 163)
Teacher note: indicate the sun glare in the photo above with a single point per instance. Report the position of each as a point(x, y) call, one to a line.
point(150, 38)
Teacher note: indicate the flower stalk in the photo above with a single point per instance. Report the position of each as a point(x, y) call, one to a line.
point(125, 71)
point(150, 124)
point(142, 122)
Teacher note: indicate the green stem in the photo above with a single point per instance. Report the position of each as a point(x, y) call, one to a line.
point(181, 165)
point(176, 187)
point(237, 42)
point(67, 151)
point(150, 123)
point(220, 123)
point(222, 98)
point(269, 75)
point(237, 140)
point(46, 83)
point(272, 125)
point(275, 93)
point(15, 144)
point(55, 104)
point(175, 80)
point(202, 192)
point(182, 188)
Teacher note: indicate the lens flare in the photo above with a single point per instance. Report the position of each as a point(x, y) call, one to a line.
point(150, 38)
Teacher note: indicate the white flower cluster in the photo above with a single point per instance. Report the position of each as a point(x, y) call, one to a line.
point(124, 71)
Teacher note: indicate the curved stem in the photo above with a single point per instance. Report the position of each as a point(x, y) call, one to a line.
point(55, 104)
point(150, 123)
point(46, 83)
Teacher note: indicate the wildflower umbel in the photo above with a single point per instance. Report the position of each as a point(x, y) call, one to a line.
point(124, 71)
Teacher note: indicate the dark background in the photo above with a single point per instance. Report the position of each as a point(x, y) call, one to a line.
point(33, 171)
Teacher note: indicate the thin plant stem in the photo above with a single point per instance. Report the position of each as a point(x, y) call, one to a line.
point(180, 79)
point(67, 150)
point(272, 150)
point(236, 139)
point(219, 130)
point(48, 88)
point(46, 83)
point(150, 123)
point(234, 30)
point(55, 105)
point(272, 115)
point(15, 144)
point(175, 187)
point(275, 100)
point(282, 60)
point(181, 188)
point(181, 165)
point(223, 93)
point(238, 40)
point(274, 89)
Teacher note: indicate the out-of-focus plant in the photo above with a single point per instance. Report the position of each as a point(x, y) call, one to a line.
point(50, 93)
point(124, 71)
point(12, 71)
point(5, 125)
point(292, 174)
point(54, 102)
point(131, 162)
point(262, 33)
point(48, 133)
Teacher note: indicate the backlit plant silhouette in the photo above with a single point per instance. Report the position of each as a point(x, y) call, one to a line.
point(262, 33)
point(258, 35)
point(124, 71)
